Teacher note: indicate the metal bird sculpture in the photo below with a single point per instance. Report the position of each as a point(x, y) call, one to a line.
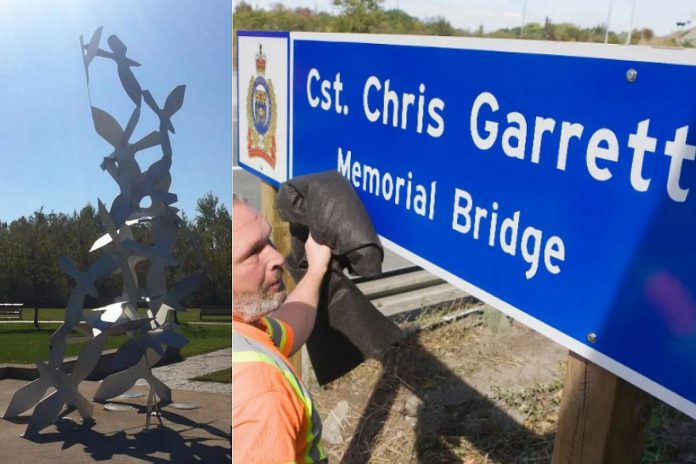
point(148, 336)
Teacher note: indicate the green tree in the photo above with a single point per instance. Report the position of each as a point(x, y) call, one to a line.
point(533, 31)
point(355, 7)
point(359, 15)
point(440, 26)
point(647, 34)
point(398, 22)
point(30, 260)
point(5, 264)
point(566, 32)
point(213, 224)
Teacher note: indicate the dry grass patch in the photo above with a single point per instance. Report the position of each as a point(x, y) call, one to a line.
point(458, 393)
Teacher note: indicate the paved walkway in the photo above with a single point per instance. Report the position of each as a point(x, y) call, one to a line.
point(178, 376)
point(188, 436)
point(11, 321)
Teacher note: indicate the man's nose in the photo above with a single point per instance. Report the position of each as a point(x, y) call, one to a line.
point(275, 258)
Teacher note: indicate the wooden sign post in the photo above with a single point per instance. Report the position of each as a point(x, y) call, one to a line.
point(602, 419)
point(281, 239)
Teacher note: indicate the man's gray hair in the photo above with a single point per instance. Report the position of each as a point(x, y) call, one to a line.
point(248, 307)
point(239, 199)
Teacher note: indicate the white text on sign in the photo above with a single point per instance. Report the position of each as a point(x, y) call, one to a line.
point(414, 109)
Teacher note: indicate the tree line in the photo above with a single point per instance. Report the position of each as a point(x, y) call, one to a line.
point(31, 246)
point(368, 16)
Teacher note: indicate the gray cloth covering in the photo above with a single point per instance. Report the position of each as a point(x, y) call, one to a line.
point(348, 328)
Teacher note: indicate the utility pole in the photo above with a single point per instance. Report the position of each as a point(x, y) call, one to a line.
point(630, 27)
point(606, 30)
point(524, 17)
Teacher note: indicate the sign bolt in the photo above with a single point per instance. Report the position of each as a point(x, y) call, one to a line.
point(592, 337)
point(631, 75)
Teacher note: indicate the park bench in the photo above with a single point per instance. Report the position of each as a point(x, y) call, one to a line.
point(215, 311)
point(11, 310)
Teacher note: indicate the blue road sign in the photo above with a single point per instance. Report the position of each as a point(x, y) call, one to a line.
point(552, 181)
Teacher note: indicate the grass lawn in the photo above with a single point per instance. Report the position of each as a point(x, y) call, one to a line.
point(22, 344)
point(223, 376)
point(58, 314)
point(206, 338)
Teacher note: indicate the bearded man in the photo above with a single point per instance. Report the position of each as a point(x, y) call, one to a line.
point(273, 416)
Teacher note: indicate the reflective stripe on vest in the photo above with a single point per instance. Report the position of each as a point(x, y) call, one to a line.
point(277, 332)
point(244, 350)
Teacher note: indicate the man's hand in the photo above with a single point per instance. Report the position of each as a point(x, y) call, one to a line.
point(318, 257)
point(300, 309)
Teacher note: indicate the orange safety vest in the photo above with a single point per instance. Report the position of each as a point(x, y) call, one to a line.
point(270, 389)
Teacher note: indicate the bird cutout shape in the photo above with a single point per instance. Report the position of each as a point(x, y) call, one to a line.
point(121, 163)
point(89, 51)
point(139, 218)
point(152, 253)
point(57, 345)
point(127, 270)
point(120, 382)
point(111, 131)
point(159, 310)
point(153, 184)
point(59, 337)
point(172, 104)
point(162, 312)
point(157, 210)
point(106, 238)
point(182, 287)
point(120, 252)
point(123, 65)
point(165, 197)
point(81, 333)
point(84, 285)
point(128, 354)
point(102, 318)
point(133, 349)
point(66, 392)
point(122, 324)
point(66, 385)
point(130, 310)
point(157, 178)
point(154, 339)
point(164, 231)
point(26, 397)
point(164, 336)
point(155, 303)
point(106, 264)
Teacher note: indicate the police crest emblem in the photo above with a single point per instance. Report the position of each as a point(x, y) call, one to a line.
point(261, 114)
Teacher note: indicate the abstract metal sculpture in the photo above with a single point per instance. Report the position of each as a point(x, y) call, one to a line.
point(120, 253)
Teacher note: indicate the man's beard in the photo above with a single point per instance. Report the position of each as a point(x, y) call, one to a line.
point(252, 307)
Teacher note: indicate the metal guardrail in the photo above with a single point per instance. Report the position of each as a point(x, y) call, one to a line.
point(407, 289)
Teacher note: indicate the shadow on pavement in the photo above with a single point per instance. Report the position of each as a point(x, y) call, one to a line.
point(161, 444)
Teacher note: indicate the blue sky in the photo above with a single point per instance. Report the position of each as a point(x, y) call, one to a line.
point(49, 150)
point(495, 14)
